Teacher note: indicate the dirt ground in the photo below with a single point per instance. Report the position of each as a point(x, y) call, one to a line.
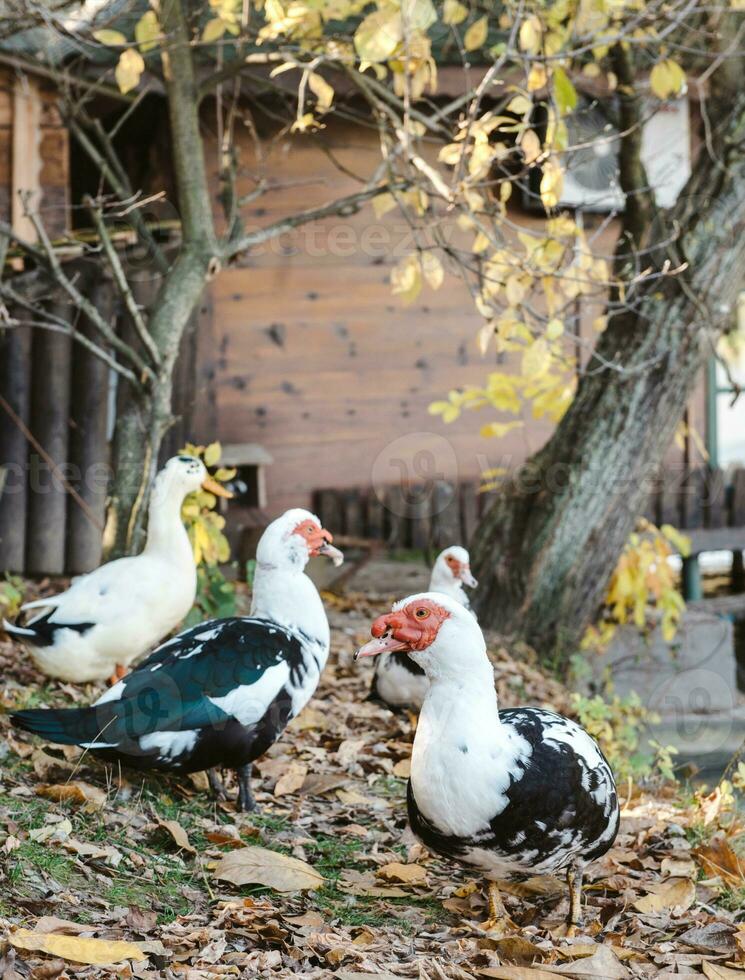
point(88, 853)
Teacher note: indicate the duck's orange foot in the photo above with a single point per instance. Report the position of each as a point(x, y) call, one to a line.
point(119, 672)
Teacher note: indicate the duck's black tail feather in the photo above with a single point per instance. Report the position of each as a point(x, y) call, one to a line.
point(67, 726)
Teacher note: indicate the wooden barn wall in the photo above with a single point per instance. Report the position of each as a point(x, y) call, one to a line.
point(317, 361)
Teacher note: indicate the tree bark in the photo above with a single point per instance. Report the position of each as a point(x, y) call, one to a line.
point(546, 548)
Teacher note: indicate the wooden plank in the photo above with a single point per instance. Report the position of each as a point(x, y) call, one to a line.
point(715, 499)
point(737, 510)
point(396, 524)
point(26, 154)
point(693, 490)
point(15, 387)
point(669, 506)
point(374, 516)
point(717, 539)
point(446, 524)
point(328, 509)
point(469, 513)
point(353, 514)
point(89, 449)
point(420, 509)
point(50, 406)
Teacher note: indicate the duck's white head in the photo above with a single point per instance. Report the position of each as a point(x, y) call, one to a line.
point(453, 564)
point(183, 475)
point(435, 630)
point(293, 539)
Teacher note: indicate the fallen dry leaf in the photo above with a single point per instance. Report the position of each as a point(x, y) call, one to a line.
point(519, 950)
point(96, 952)
point(402, 769)
point(515, 973)
point(260, 866)
point(675, 894)
point(675, 868)
point(178, 833)
point(75, 792)
point(603, 963)
point(409, 874)
point(716, 972)
point(717, 858)
point(292, 780)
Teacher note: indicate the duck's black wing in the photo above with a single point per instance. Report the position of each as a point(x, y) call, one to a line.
point(214, 690)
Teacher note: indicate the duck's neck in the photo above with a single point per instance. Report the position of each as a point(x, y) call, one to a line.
point(442, 580)
point(284, 594)
point(461, 758)
point(166, 534)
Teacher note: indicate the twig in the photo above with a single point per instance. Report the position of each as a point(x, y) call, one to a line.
point(121, 281)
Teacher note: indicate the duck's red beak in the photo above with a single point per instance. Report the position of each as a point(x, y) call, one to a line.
point(391, 633)
point(320, 544)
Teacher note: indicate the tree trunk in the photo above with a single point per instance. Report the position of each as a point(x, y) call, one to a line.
point(145, 419)
point(546, 548)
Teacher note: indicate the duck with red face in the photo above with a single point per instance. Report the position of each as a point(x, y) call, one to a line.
point(220, 694)
point(517, 791)
point(398, 681)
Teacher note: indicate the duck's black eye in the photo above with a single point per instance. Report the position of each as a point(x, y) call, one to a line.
point(421, 613)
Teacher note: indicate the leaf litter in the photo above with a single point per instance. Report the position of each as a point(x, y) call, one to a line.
point(103, 873)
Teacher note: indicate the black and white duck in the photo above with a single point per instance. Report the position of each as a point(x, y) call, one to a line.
point(519, 791)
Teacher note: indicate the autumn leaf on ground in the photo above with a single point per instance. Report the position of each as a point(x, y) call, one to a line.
point(77, 792)
point(292, 779)
point(409, 874)
point(96, 952)
point(714, 971)
point(603, 963)
point(178, 833)
point(260, 866)
point(718, 859)
point(674, 894)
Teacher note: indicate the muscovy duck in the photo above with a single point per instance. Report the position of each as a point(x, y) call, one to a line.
point(110, 617)
point(522, 790)
point(398, 681)
point(218, 694)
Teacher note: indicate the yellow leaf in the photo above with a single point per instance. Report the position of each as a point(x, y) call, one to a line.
point(599, 324)
point(667, 78)
point(451, 153)
point(408, 874)
point(480, 243)
point(260, 866)
point(432, 269)
point(536, 359)
point(530, 145)
point(95, 952)
point(454, 12)
point(212, 454)
point(110, 38)
point(406, 278)
point(519, 105)
point(530, 35)
point(323, 92)
point(495, 430)
point(475, 36)
point(420, 14)
point(554, 328)
point(213, 30)
point(379, 35)
point(147, 31)
point(552, 184)
point(537, 78)
point(383, 203)
point(129, 70)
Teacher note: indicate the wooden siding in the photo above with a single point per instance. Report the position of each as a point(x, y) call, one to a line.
point(316, 360)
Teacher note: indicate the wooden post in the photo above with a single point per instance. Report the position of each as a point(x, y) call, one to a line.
point(15, 387)
point(50, 404)
point(89, 451)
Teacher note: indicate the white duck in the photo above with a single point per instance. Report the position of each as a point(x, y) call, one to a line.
point(398, 681)
point(109, 618)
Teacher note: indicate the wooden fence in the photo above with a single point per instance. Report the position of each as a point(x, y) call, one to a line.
point(708, 505)
point(58, 403)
